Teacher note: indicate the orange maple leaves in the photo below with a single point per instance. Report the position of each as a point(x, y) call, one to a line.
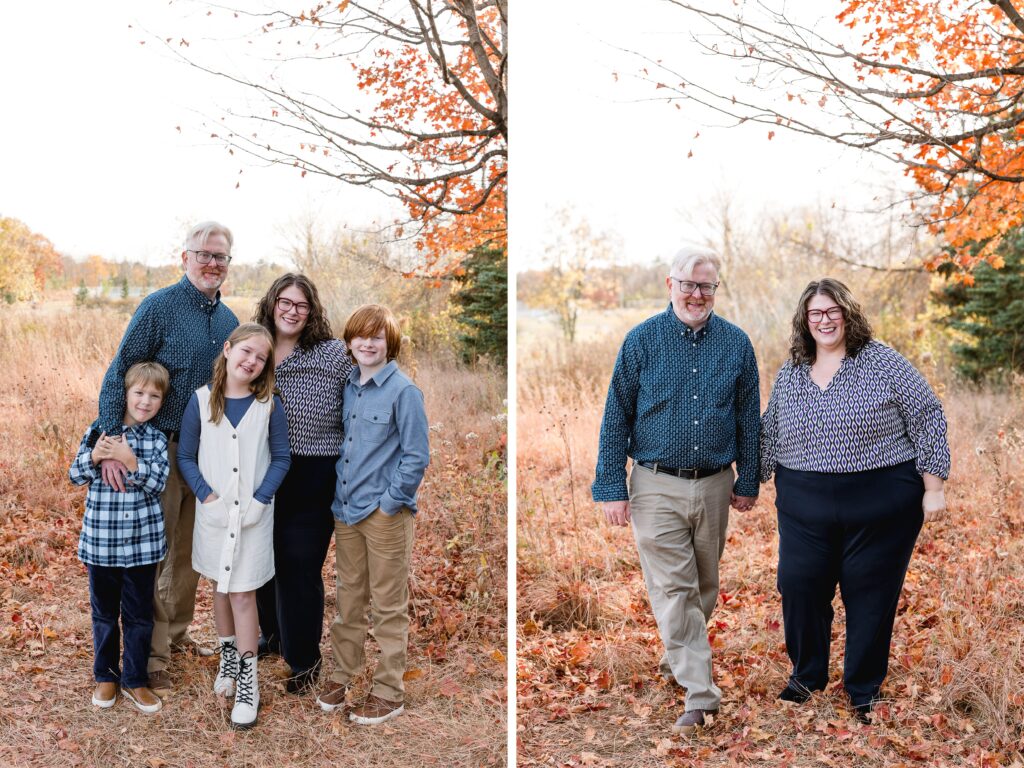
point(955, 85)
point(453, 169)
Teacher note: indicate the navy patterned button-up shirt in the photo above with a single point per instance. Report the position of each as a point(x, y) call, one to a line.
point(182, 330)
point(126, 529)
point(683, 399)
point(877, 411)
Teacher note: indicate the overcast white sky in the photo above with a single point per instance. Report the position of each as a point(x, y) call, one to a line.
point(581, 138)
point(89, 152)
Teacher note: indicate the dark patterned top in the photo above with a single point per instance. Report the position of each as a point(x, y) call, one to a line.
point(182, 330)
point(877, 411)
point(312, 384)
point(124, 529)
point(681, 399)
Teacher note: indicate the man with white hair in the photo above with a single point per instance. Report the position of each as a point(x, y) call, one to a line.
point(183, 327)
point(683, 405)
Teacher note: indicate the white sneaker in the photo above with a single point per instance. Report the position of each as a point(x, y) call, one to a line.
point(224, 685)
point(247, 693)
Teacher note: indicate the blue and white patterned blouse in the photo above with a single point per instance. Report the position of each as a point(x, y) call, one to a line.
point(184, 331)
point(878, 411)
point(312, 385)
point(681, 399)
point(124, 529)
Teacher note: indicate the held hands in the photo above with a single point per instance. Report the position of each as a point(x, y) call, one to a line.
point(742, 503)
point(115, 459)
point(934, 505)
point(616, 512)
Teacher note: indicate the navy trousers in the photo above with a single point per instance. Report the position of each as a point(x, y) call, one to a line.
point(125, 594)
point(856, 530)
point(291, 605)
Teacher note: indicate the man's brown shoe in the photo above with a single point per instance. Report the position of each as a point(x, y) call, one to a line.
point(160, 682)
point(104, 695)
point(332, 697)
point(376, 710)
point(143, 698)
point(688, 722)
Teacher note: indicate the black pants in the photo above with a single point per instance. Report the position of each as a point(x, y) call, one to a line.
point(121, 596)
point(856, 530)
point(291, 605)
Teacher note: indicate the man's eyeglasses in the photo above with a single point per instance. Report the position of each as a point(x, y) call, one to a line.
point(205, 257)
point(688, 286)
point(287, 305)
point(817, 315)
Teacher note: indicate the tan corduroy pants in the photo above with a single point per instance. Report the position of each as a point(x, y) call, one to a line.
point(174, 602)
point(680, 530)
point(372, 559)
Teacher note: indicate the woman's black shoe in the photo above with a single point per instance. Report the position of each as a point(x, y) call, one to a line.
point(302, 682)
point(795, 693)
point(268, 647)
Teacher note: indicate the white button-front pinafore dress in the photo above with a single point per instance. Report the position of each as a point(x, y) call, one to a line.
point(233, 538)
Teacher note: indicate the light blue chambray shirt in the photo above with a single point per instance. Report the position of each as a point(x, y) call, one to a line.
point(386, 447)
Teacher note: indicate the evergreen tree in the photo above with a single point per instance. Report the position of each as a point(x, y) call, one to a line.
point(991, 311)
point(482, 305)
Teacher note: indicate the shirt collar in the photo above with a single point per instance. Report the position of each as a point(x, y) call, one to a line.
point(378, 378)
point(201, 300)
point(680, 327)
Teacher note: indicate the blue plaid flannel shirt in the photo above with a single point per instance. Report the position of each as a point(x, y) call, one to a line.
point(123, 530)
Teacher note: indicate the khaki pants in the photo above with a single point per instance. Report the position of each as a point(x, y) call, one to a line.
point(372, 560)
point(174, 602)
point(680, 530)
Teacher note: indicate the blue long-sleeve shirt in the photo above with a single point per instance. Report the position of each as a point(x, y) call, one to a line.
point(182, 330)
point(234, 409)
point(682, 399)
point(386, 448)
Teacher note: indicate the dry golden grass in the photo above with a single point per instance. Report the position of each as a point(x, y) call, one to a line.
point(588, 688)
point(51, 362)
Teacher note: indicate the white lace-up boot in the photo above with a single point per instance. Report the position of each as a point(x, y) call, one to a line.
point(247, 693)
point(224, 685)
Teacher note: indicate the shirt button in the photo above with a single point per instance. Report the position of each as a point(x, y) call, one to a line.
point(227, 567)
point(694, 397)
point(235, 469)
point(360, 394)
point(350, 440)
point(695, 447)
point(235, 437)
point(695, 421)
point(695, 344)
point(346, 460)
point(231, 535)
point(694, 370)
point(236, 502)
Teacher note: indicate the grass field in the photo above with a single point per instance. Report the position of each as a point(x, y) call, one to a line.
point(52, 359)
point(588, 689)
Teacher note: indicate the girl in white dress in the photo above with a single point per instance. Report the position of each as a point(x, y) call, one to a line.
point(234, 452)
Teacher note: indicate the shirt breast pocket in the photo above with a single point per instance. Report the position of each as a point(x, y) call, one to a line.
point(375, 425)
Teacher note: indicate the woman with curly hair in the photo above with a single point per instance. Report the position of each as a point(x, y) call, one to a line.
point(311, 368)
point(857, 442)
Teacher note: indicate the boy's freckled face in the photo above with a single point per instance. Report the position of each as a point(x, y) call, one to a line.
point(142, 401)
point(370, 352)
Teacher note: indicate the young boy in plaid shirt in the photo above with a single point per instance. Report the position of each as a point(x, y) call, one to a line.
point(123, 538)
